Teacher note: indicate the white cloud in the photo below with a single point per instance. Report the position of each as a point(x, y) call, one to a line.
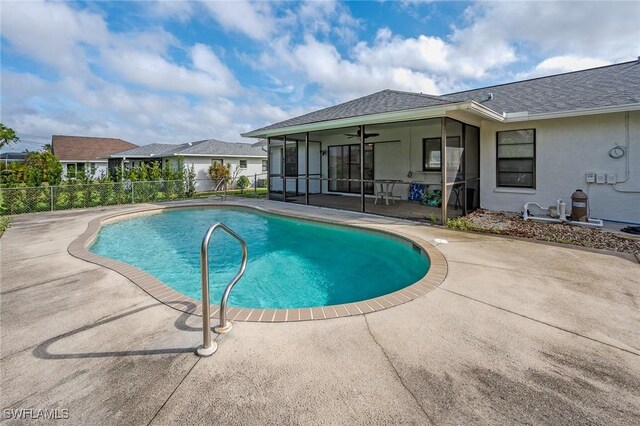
point(52, 32)
point(490, 40)
point(251, 19)
point(581, 28)
point(207, 77)
point(179, 10)
point(323, 64)
point(173, 102)
point(327, 18)
point(68, 39)
point(562, 64)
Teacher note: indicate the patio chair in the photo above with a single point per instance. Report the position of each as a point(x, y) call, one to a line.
point(385, 192)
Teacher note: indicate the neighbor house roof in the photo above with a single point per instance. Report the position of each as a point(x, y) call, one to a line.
point(83, 148)
point(208, 147)
point(151, 150)
point(609, 86)
point(13, 156)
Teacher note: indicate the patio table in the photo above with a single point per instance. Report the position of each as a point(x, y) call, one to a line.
point(386, 190)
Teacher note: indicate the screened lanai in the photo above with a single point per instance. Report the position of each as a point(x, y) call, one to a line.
point(394, 169)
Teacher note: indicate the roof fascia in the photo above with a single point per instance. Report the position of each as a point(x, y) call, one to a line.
point(525, 116)
point(136, 156)
point(83, 161)
point(225, 155)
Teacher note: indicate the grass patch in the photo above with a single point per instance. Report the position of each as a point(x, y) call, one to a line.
point(464, 224)
point(249, 194)
point(4, 223)
point(246, 193)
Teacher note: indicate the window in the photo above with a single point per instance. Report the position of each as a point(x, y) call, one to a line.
point(75, 171)
point(243, 164)
point(264, 166)
point(431, 154)
point(515, 164)
point(217, 161)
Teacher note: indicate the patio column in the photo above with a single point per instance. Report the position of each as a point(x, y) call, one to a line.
point(283, 168)
point(268, 168)
point(362, 209)
point(306, 168)
point(443, 167)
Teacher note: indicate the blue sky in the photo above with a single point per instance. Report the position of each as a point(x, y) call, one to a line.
point(179, 71)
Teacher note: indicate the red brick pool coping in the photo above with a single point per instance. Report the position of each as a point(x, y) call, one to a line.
point(170, 297)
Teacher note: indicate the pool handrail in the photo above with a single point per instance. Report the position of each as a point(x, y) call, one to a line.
point(208, 348)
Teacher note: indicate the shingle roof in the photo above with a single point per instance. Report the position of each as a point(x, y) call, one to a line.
point(151, 150)
point(216, 147)
point(211, 147)
point(83, 148)
point(376, 103)
point(611, 85)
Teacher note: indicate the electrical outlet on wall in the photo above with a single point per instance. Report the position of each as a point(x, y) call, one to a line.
point(611, 178)
point(591, 177)
point(601, 178)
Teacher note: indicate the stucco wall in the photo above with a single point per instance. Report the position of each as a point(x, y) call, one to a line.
point(565, 150)
point(202, 164)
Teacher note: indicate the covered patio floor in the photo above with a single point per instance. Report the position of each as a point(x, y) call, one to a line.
point(402, 209)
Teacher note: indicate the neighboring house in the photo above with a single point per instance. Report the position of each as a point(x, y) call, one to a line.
point(12, 157)
point(250, 160)
point(79, 154)
point(533, 140)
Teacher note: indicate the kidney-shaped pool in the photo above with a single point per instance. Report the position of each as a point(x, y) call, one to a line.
point(292, 263)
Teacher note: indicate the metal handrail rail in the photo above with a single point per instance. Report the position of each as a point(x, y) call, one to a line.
point(208, 347)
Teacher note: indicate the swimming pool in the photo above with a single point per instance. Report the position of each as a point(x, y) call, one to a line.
point(292, 263)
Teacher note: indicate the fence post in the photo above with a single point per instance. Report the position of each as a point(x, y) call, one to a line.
point(132, 195)
point(51, 191)
point(255, 183)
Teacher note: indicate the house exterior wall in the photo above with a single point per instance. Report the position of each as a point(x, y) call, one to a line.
point(566, 149)
point(202, 164)
point(101, 167)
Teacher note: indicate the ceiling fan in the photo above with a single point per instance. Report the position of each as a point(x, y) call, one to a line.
point(357, 135)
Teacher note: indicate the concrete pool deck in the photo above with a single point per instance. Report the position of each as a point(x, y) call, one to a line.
point(518, 332)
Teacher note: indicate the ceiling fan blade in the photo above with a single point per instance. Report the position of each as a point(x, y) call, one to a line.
point(357, 135)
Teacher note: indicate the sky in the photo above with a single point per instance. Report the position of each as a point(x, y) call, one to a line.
point(181, 71)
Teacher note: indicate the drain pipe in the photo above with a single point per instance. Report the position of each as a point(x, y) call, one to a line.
point(627, 172)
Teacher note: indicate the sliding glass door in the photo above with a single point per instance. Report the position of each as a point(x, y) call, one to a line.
point(344, 168)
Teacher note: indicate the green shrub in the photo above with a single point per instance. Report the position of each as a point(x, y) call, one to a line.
point(460, 223)
point(4, 223)
point(243, 182)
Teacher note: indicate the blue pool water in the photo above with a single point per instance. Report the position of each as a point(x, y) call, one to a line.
point(292, 263)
